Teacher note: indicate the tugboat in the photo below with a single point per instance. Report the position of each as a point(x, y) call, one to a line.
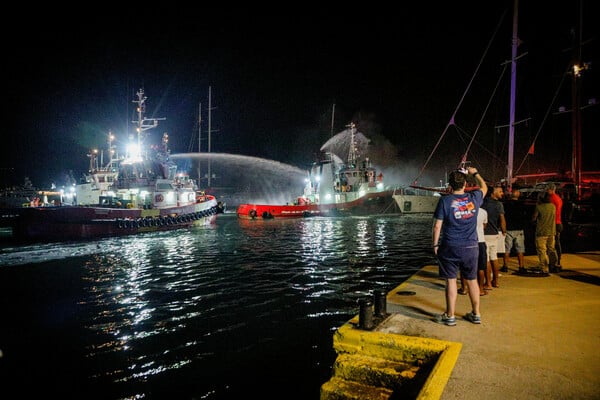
point(335, 187)
point(147, 194)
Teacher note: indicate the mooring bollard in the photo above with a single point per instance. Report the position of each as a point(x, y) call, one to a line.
point(365, 316)
point(380, 303)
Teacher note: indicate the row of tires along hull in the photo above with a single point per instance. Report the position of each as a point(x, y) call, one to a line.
point(164, 220)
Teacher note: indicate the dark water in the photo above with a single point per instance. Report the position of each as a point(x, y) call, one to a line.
point(237, 310)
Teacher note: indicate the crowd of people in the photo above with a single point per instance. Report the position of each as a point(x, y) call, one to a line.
point(476, 229)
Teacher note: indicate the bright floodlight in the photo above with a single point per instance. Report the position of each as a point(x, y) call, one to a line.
point(133, 150)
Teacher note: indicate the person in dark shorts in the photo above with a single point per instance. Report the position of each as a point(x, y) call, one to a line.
point(455, 241)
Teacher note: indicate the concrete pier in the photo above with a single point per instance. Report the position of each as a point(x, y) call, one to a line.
point(539, 337)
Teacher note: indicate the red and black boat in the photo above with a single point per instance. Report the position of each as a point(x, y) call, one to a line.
point(146, 194)
point(334, 186)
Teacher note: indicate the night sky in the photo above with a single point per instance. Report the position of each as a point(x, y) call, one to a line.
point(276, 74)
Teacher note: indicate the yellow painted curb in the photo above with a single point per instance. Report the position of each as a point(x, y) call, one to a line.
point(400, 348)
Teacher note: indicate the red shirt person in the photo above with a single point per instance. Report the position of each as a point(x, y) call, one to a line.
point(558, 203)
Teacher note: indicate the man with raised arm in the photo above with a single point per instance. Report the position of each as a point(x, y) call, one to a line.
point(455, 241)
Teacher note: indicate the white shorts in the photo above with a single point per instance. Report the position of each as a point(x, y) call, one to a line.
point(491, 242)
point(501, 243)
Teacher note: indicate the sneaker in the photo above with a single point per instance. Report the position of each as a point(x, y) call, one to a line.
point(522, 270)
point(476, 319)
point(445, 319)
point(504, 268)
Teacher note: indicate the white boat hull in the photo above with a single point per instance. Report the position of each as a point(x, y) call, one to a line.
point(412, 203)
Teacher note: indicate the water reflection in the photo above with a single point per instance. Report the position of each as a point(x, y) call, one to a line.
point(191, 309)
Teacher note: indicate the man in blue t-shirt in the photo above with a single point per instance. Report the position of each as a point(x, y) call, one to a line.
point(455, 241)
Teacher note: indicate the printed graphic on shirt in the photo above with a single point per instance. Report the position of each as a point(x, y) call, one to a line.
point(463, 208)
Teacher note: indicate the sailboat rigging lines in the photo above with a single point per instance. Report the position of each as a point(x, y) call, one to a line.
point(458, 106)
point(508, 177)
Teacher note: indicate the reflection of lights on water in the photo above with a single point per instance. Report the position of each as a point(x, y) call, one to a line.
point(315, 242)
point(141, 316)
point(321, 236)
point(362, 237)
point(380, 238)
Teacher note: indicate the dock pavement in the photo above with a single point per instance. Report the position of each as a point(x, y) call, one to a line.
point(539, 337)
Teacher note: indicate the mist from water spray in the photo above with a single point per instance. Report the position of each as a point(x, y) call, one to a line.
point(254, 179)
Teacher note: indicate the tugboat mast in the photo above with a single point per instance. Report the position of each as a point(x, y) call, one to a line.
point(142, 123)
point(352, 151)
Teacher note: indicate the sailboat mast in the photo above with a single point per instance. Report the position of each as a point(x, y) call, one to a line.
point(200, 144)
point(513, 95)
point(209, 130)
point(576, 106)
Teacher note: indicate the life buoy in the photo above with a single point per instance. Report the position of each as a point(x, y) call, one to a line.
point(349, 188)
point(159, 198)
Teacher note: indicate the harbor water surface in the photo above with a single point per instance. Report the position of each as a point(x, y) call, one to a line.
point(240, 309)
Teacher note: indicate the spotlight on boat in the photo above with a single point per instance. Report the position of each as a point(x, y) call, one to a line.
point(133, 151)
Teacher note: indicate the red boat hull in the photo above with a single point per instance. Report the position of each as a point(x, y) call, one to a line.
point(369, 204)
point(78, 222)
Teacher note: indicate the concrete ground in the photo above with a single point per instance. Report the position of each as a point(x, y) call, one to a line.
point(539, 337)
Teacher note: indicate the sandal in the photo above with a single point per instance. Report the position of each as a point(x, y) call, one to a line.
point(462, 291)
